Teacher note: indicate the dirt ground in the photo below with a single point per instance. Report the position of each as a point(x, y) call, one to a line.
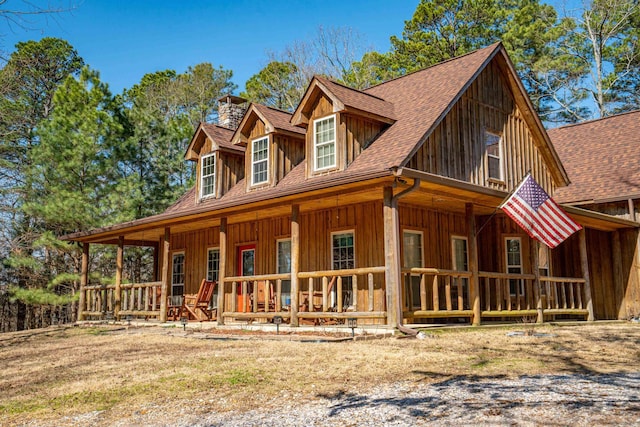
point(164, 376)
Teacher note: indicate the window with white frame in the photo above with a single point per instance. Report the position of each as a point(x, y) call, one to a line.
point(324, 143)
point(260, 160)
point(493, 144)
point(543, 265)
point(283, 261)
point(177, 278)
point(208, 175)
point(213, 269)
point(460, 261)
point(513, 252)
point(412, 258)
point(343, 257)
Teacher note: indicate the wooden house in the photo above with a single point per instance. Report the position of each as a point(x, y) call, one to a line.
point(374, 205)
point(602, 158)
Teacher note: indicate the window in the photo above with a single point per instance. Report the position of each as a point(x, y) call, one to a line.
point(259, 160)
point(177, 278)
point(324, 143)
point(213, 268)
point(543, 265)
point(343, 250)
point(460, 260)
point(284, 266)
point(208, 175)
point(494, 154)
point(412, 257)
point(513, 247)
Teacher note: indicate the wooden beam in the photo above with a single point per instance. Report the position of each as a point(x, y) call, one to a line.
point(584, 263)
point(618, 280)
point(474, 280)
point(535, 266)
point(156, 254)
point(632, 210)
point(222, 271)
point(392, 258)
point(119, 263)
point(84, 281)
point(165, 274)
point(295, 262)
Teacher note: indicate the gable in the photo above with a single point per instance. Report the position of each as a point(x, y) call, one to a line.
point(456, 147)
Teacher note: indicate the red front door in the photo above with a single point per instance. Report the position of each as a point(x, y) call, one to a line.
point(246, 267)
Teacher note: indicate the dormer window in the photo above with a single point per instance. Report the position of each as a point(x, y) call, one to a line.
point(260, 161)
point(207, 175)
point(324, 143)
point(493, 142)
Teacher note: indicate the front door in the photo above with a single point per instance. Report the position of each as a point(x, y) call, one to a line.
point(246, 267)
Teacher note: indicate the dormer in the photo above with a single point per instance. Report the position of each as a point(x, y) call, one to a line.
point(220, 164)
point(340, 123)
point(273, 146)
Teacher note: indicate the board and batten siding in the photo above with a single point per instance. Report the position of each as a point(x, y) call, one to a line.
point(355, 134)
point(456, 149)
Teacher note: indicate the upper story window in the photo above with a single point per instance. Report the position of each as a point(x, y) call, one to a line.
point(208, 175)
point(259, 160)
point(493, 143)
point(324, 143)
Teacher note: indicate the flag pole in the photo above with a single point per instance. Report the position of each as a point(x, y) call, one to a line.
point(495, 211)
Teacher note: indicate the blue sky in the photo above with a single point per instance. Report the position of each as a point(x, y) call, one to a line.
point(124, 40)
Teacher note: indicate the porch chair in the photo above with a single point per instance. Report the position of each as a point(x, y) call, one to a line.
point(196, 306)
point(266, 296)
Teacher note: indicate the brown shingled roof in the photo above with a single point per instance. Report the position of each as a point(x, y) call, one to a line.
point(602, 158)
point(360, 100)
point(419, 101)
point(221, 135)
point(278, 118)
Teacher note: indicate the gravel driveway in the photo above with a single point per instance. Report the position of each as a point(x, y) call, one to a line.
point(562, 400)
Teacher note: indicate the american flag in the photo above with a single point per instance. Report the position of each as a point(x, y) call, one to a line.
point(532, 208)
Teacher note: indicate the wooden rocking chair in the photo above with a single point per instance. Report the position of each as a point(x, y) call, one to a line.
point(196, 306)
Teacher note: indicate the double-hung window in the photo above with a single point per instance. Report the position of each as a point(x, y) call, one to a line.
point(208, 175)
point(260, 160)
point(493, 142)
point(213, 268)
point(412, 251)
point(324, 143)
point(460, 259)
point(283, 260)
point(177, 278)
point(343, 258)
point(513, 247)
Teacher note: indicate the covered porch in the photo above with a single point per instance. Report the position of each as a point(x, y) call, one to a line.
point(411, 250)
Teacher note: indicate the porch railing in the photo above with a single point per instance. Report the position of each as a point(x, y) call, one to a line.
point(563, 295)
point(136, 299)
point(340, 294)
point(259, 296)
point(99, 300)
point(442, 293)
point(507, 294)
point(140, 299)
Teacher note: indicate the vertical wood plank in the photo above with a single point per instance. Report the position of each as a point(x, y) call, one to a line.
point(295, 262)
point(84, 281)
point(474, 283)
point(535, 266)
point(618, 280)
point(222, 271)
point(584, 263)
point(118, 290)
point(165, 274)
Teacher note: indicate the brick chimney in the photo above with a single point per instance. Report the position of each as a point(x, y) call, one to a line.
point(231, 110)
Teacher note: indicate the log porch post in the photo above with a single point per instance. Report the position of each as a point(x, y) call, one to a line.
point(618, 276)
point(222, 270)
point(165, 275)
point(156, 253)
point(474, 280)
point(119, 263)
point(393, 283)
point(535, 266)
point(295, 262)
point(84, 281)
point(584, 263)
